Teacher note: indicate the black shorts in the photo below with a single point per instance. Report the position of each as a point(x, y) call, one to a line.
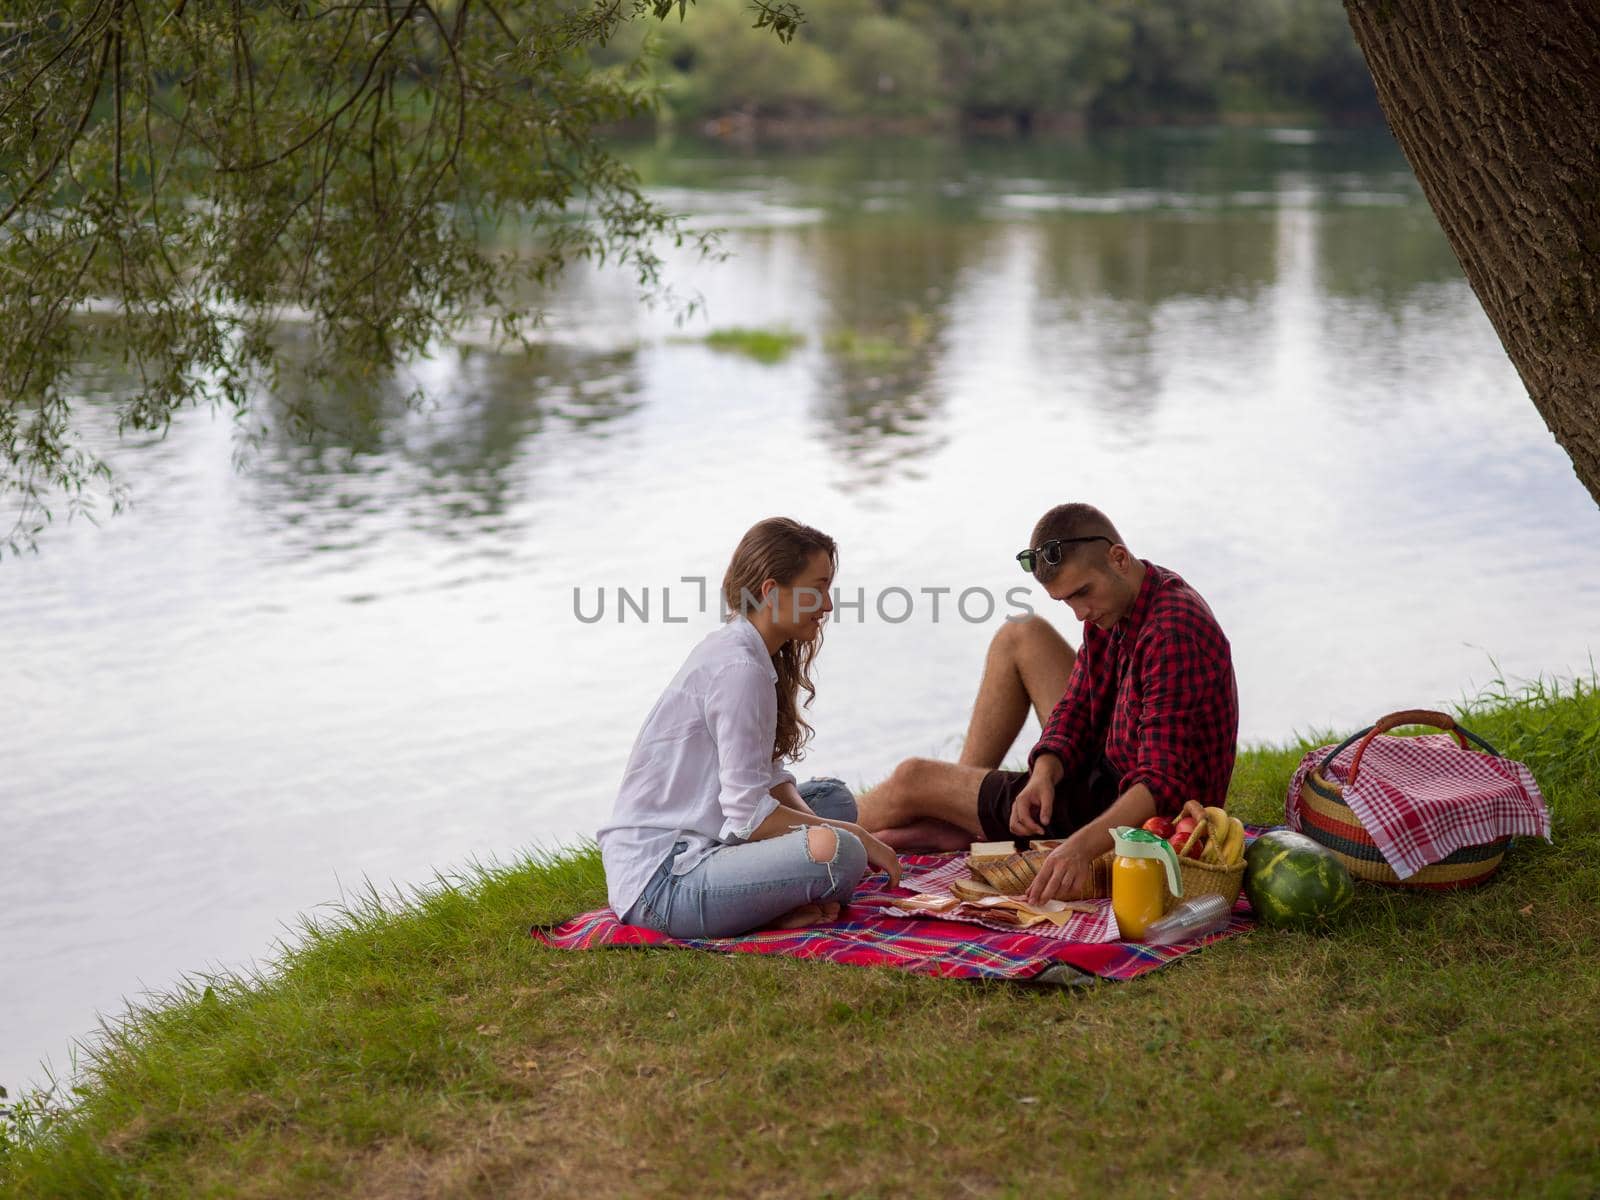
point(1079, 799)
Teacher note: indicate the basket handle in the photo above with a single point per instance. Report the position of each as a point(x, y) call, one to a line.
point(1409, 716)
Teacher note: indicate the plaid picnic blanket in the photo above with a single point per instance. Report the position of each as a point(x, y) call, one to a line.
point(870, 935)
point(1423, 798)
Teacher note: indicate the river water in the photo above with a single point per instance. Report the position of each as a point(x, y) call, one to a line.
point(372, 658)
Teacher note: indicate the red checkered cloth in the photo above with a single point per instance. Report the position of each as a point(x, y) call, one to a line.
point(1423, 798)
point(870, 935)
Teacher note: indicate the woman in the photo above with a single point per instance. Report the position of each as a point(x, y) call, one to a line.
point(710, 837)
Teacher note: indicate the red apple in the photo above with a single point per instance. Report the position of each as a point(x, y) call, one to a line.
point(1160, 826)
point(1181, 832)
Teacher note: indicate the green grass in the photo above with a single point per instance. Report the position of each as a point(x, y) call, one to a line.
point(1437, 1045)
point(892, 345)
point(764, 345)
point(867, 349)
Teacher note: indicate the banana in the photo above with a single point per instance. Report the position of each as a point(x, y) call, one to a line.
point(1216, 843)
point(1233, 848)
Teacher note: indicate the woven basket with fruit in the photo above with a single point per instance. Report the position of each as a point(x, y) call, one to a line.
point(1210, 846)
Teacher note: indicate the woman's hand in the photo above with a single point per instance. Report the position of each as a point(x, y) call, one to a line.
point(880, 855)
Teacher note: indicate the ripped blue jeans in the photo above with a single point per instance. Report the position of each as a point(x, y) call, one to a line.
point(741, 887)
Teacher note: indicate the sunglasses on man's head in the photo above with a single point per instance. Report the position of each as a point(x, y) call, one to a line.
point(1049, 552)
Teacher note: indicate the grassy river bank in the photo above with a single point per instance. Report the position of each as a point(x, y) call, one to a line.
point(1436, 1045)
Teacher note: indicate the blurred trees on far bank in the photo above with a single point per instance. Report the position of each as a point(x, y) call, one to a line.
point(1020, 64)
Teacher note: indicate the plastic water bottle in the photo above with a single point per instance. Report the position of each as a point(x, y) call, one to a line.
point(1189, 920)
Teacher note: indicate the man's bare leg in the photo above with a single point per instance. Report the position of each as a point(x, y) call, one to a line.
point(919, 797)
point(1028, 663)
point(926, 835)
point(928, 805)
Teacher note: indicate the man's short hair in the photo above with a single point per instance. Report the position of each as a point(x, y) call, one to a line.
point(1074, 521)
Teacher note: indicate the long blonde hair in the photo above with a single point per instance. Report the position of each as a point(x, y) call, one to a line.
point(779, 548)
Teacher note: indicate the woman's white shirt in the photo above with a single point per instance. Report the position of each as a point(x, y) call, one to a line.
point(701, 770)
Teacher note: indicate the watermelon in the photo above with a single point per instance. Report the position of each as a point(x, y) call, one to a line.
point(1293, 881)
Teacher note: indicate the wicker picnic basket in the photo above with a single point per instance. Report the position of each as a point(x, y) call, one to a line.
point(1210, 879)
point(1325, 817)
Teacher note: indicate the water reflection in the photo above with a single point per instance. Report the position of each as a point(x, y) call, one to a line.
point(927, 178)
point(1194, 170)
point(1147, 259)
point(449, 447)
point(886, 287)
point(1382, 256)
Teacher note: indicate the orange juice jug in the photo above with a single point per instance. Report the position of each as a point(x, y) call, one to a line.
point(1144, 880)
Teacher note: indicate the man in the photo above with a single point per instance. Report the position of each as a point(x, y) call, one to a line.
point(1142, 718)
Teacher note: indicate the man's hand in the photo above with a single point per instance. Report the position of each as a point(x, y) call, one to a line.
point(1066, 871)
point(1035, 803)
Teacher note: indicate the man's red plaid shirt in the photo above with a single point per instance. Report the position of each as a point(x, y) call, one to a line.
point(1156, 696)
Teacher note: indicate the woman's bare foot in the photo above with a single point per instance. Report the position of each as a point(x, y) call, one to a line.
point(799, 918)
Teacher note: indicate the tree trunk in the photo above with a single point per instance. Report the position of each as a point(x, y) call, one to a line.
point(1497, 105)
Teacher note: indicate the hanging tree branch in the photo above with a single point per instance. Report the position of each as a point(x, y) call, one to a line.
point(198, 173)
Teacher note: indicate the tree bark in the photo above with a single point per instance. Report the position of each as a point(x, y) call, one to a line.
point(1496, 103)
